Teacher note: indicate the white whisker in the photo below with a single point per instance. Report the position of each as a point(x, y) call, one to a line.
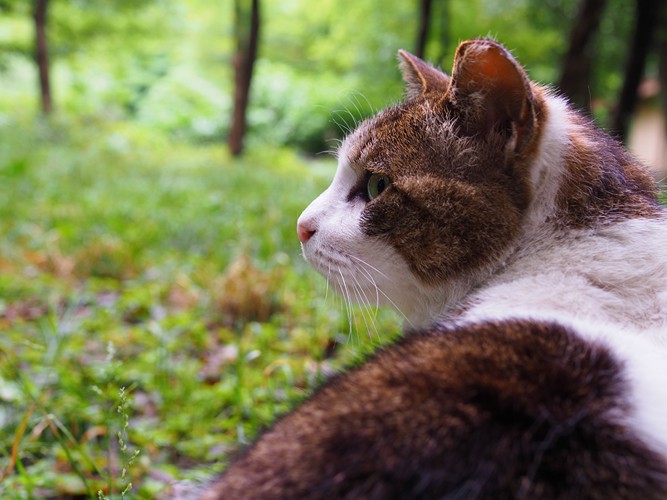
point(371, 280)
point(365, 308)
point(326, 290)
point(393, 304)
point(348, 299)
point(371, 267)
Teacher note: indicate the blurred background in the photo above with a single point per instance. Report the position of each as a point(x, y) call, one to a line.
point(184, 67)
point(155, 312)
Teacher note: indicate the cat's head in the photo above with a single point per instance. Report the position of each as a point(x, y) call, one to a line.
point(430, 193)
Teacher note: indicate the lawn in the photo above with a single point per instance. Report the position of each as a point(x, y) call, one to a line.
point(155, 312)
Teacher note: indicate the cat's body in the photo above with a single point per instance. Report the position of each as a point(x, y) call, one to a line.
point(459, 413)
point(529, 255)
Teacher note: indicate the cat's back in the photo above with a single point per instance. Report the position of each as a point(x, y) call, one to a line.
point(515, 409)
point(614, 274)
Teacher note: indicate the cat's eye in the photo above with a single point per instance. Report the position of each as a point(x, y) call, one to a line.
point(376, 184)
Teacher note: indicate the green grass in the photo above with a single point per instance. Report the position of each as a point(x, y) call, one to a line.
point(155, 312)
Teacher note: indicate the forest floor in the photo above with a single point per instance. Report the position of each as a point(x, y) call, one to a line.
point(155, 312)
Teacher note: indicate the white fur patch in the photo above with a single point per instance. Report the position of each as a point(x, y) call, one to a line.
point(549, 167)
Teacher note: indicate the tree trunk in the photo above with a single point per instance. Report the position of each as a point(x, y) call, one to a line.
point(662, 63)
point(645, 23)
point(42, 53)
point(247, 38)
point(424, 24)
point(443, 35)
point(576, 69)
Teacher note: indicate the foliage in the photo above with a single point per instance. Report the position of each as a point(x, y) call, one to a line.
point(154, 307)
point(167, 63)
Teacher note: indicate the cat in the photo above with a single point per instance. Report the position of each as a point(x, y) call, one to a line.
point(527, 252)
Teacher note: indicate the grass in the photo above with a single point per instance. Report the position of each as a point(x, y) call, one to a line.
point(154, 309)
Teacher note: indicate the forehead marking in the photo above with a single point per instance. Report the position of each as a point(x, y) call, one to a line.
point(358, 153)
point(365, 137)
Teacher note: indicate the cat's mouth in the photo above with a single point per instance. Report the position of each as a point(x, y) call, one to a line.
point(351, 277)
point(325, 261)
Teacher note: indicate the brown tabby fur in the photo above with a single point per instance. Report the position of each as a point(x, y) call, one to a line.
point(458, 413)
point(618, 188)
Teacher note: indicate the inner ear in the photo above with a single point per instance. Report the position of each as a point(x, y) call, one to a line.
point(494, 90)
point(420, 77)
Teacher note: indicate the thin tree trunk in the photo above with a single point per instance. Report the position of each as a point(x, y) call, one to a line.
point(247, 39)
point(645, 23)
point(42, 53)
point(442, 15)
point(662, 63)
point(424, 24)
point(576, 69)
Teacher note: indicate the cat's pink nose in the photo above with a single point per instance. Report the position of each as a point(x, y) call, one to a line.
point(304, 231)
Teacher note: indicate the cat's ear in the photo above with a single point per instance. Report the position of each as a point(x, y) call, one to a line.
point(420, 77)
point(492, 91)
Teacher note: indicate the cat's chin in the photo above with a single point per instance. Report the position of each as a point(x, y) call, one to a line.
point(350, 276)
point(377, 277)
point(323, 261)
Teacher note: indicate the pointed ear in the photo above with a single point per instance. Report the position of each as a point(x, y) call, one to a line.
point(420, 77)
point(494, 90)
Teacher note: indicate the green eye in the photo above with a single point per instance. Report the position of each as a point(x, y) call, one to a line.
point(376, 184)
